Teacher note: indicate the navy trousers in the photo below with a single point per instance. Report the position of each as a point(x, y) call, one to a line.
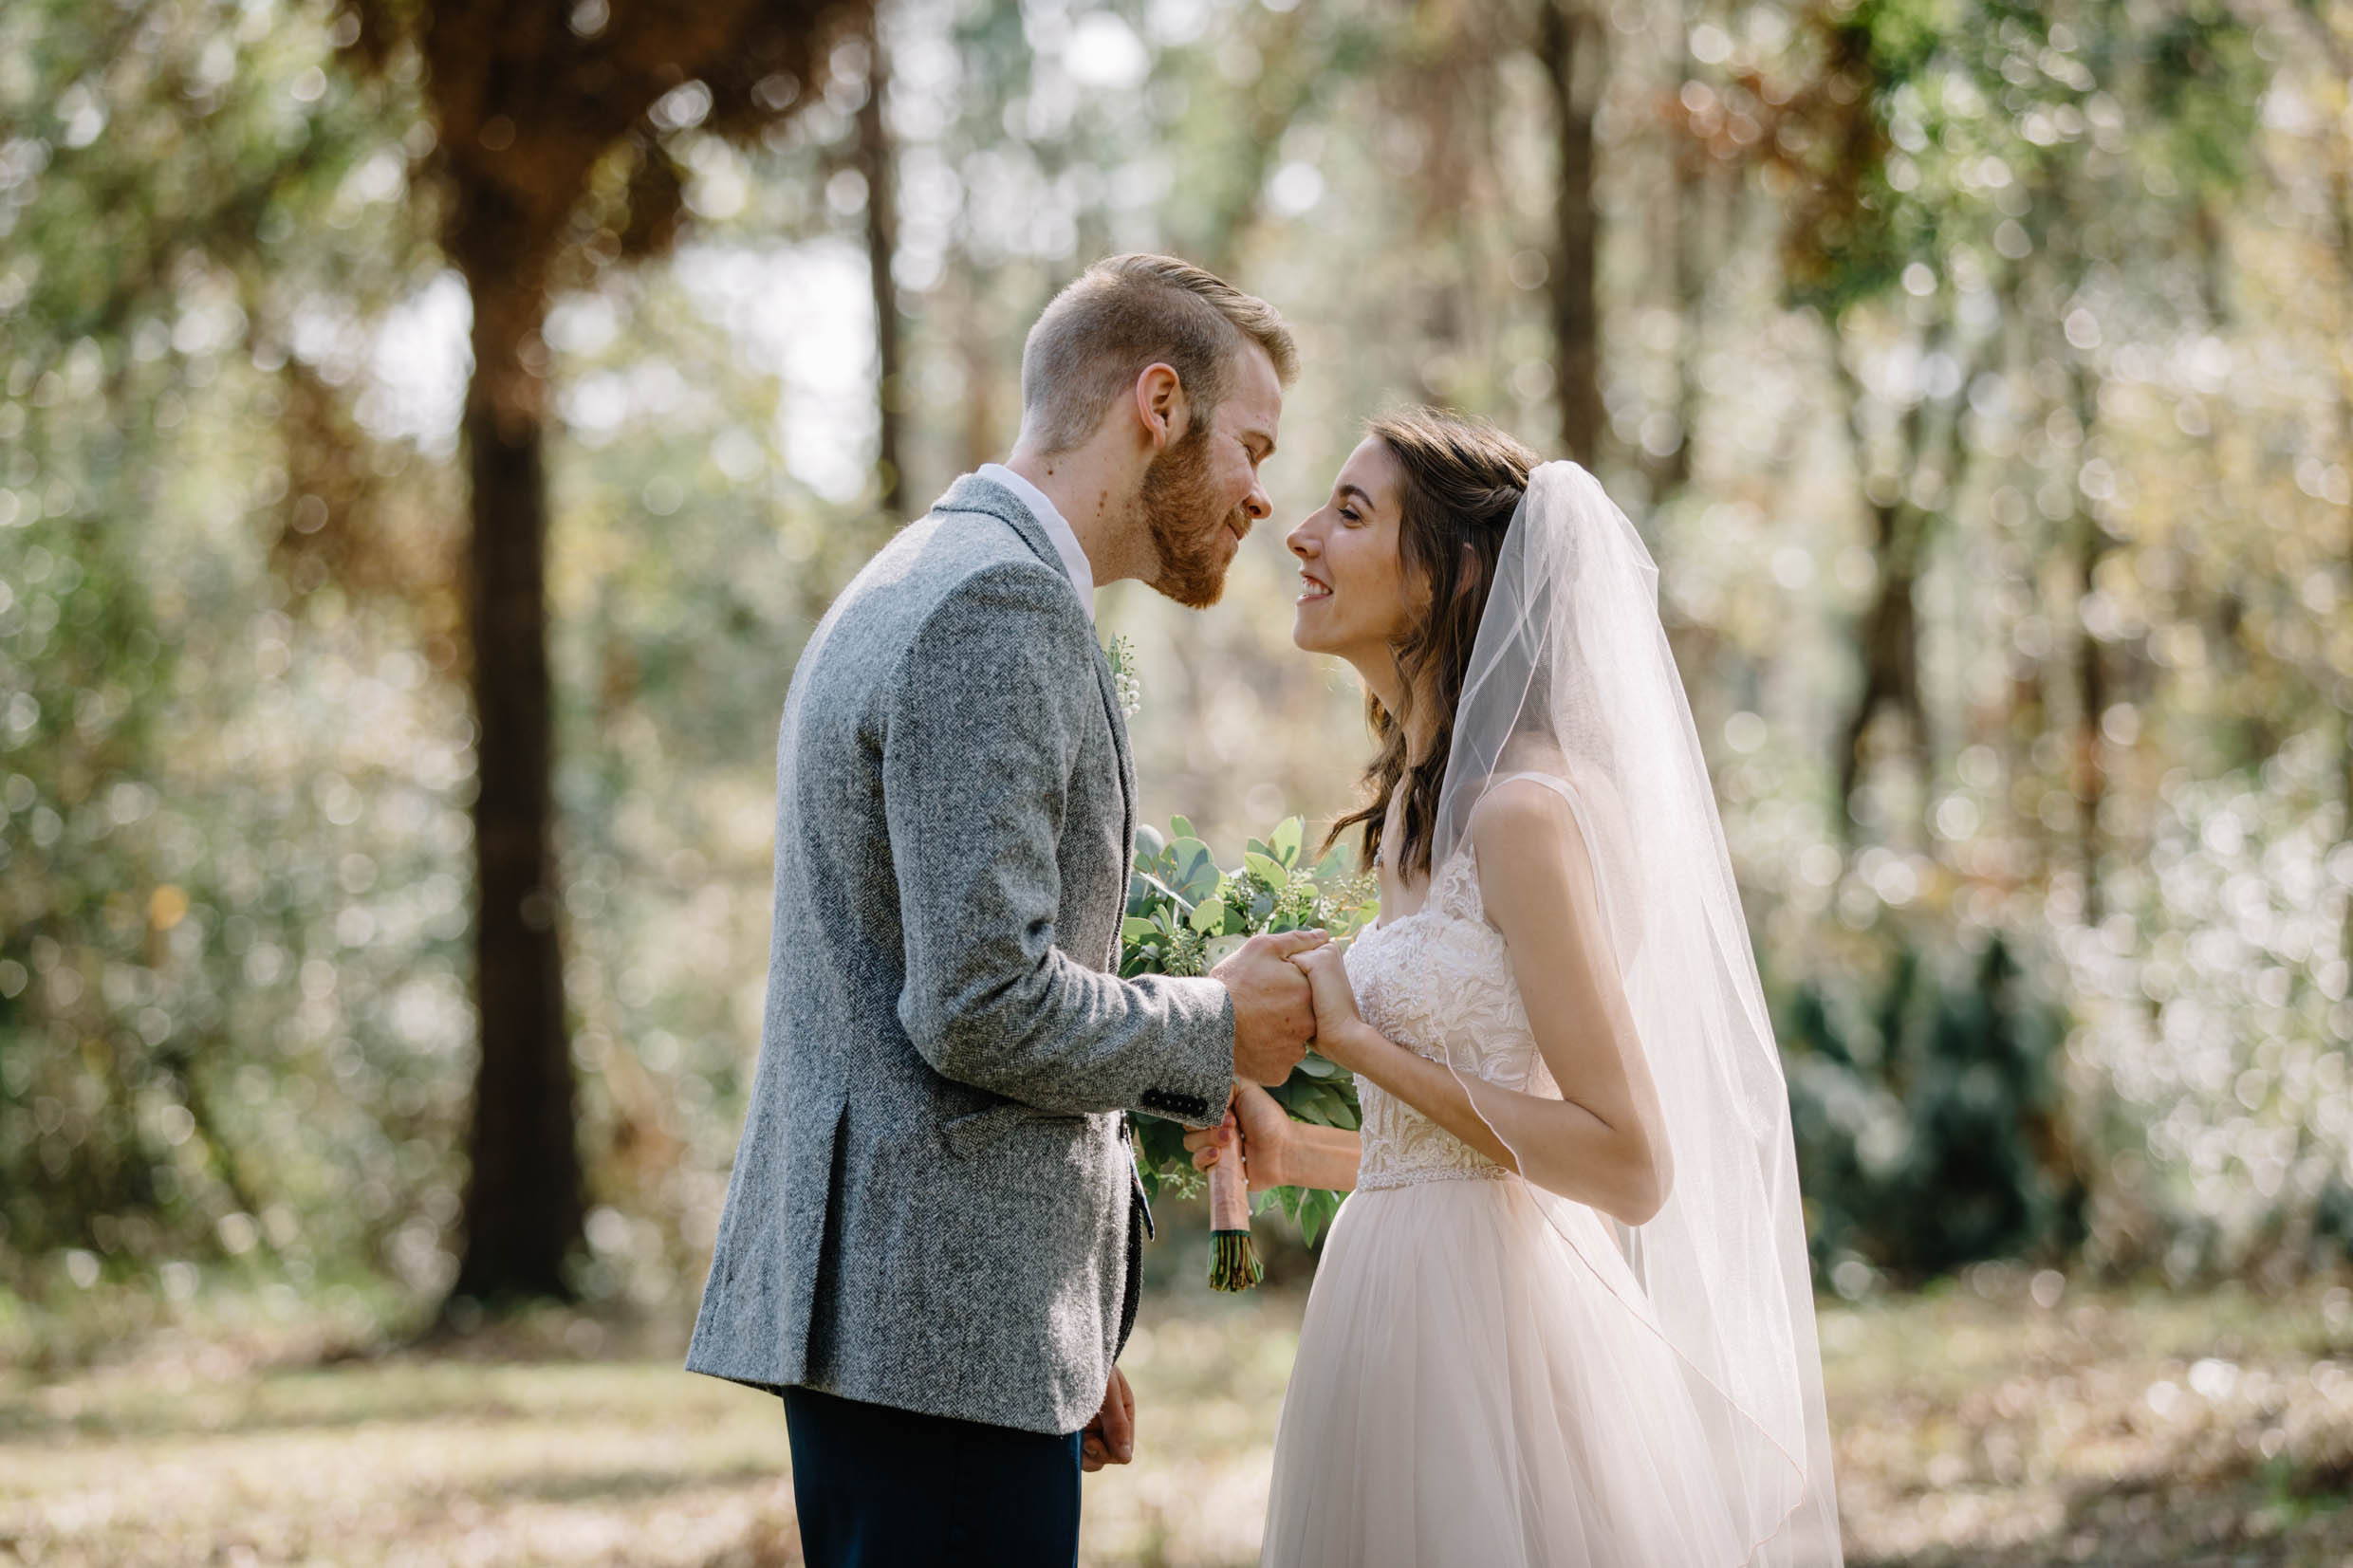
point(879, 1487)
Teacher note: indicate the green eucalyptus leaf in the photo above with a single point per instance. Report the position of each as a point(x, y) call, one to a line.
point(1168, 896)
point(1209, 917)
point(1197, 874)
point(1289, 834)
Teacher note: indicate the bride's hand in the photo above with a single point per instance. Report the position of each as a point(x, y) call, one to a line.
point(1267, 1136)
point(1341, 1032)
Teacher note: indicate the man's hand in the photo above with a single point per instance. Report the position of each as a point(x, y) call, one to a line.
point(1110, 1438)
point(1273, 1006)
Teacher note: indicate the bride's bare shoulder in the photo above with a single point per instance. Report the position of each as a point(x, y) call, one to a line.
point(1535, 832)
point(1528, 803)
point(1530, 845)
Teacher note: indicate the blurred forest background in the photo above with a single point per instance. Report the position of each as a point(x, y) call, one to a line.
point(1980, 373)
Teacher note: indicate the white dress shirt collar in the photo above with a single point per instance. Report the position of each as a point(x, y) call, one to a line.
point(1066, 542)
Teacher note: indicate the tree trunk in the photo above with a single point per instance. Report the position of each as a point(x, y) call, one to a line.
point(1272, 103)
point(2091, 666)
point(976, 356)
point(877, 162)
point(523, 1196)
point(2341, 180)
point(1890, 643)
point(1566, 34)
point(1889, 635)
point(1682, 240)
point(2091, 696)
point(1672, 471)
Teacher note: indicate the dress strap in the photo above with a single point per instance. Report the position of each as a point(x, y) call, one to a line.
point(1619, 905)
point(1455, 887)
point(1550, 780)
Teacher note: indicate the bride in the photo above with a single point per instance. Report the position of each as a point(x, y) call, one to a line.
point(1565, 1317)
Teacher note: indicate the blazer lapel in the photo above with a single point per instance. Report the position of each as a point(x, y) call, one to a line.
point(1108, 685)
point(972, 493)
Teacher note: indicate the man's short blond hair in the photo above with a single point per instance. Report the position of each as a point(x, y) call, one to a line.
point(1127, 312)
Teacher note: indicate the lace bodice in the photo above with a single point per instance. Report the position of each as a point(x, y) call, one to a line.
point(1438, 982)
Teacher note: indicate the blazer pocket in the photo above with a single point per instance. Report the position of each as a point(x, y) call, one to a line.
point(968, 1134)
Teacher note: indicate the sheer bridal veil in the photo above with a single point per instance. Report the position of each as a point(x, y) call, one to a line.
point(1571, 679)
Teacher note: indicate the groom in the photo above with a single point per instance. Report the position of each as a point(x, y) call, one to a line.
point(932, 1234)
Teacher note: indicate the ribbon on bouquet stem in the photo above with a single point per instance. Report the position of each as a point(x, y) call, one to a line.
point(1233, 1264)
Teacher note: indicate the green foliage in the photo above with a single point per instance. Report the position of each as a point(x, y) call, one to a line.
point(2217, 1022)
point(225, 906)
point(1929, 1127)
point(1953, 134)
point(1185, 914)
point(2204, 80)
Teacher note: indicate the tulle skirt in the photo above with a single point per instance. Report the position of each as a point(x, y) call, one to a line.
point(1469, 1395)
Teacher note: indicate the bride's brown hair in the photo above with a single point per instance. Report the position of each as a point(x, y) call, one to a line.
point(1463, 479)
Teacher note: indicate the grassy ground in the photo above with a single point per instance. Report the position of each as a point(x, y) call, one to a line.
point(1973, 1425)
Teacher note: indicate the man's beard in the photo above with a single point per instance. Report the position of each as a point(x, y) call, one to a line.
point(1176, 509)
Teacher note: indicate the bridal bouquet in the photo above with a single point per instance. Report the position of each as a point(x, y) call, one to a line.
point(1185, 913)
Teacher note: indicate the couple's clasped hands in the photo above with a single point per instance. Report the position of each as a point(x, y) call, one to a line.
point(1290, 990)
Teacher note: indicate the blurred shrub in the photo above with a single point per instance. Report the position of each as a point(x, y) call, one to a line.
point(233, 1036)
point(1929, 1119)
point(2217, 1026)
point(83, 670)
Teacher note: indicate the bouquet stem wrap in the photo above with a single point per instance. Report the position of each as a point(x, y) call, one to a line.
point(1233, 1264)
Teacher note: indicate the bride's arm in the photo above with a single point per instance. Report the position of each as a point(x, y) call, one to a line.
point(1600, 1142)
point(1341, 1034)
point(1278, 1150)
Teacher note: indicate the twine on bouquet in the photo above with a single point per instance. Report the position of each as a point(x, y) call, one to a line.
point(1233, 1264)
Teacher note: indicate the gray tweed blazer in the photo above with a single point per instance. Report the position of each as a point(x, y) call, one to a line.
point(934, 1206)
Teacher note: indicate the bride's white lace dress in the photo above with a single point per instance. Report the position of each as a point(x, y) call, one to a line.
point(1469, 1392)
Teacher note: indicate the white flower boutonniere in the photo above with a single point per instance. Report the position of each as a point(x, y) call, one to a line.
point(1120, 653)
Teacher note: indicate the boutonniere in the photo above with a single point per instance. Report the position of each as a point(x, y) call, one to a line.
point(1121, 655)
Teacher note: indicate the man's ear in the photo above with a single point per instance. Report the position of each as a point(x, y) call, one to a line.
point(1161, 410)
